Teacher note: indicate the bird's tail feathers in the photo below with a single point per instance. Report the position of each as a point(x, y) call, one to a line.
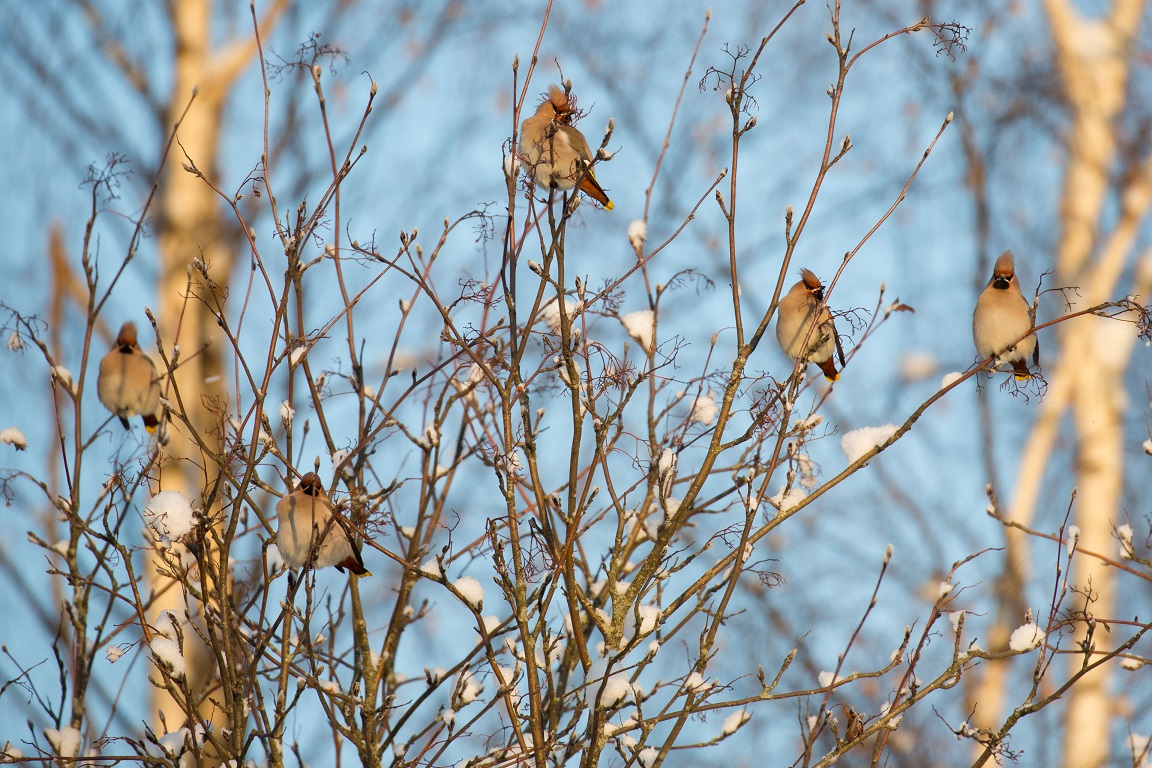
point(590, 187)
point(829, 369)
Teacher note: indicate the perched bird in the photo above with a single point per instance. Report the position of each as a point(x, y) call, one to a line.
point(556, 154)
point(799, 311)
point(311, 534)
point(127, 384)
point(1002, 318)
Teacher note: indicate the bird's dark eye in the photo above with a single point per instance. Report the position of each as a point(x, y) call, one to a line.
point(818, 292)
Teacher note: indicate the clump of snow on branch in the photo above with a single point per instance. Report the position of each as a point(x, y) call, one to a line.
point(949, 378)
point(15, 343)
point(113, 653)
point(471, 590)
point(1026, 638)
point(64, 376)
point(66, 741)
point(338, 456)
point(734, 721)
point(811, 422)
point(859, 441)
point(647, 756)
point(274, 559)
point(165, 646)
point(704, 409)
point(286, 413)
point(1073, 536)
point(641, 326)
point(956, 617)
point(1124, 534)
point(943, 589)
point(828, 678)
point(615, 689)
point(512, 165)
point(788, 498)
point(649, 615)
point(168, 516)
point(430, 438)
point(14, 437)
point(696, 682)
point(637, 234)
point(551, 313)
point(1147, 446)
point(178, 742)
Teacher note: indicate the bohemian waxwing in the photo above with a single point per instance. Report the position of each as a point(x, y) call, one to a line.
point(127, 384)
point(310, 533)
point(1002, 318)
point(555, 153)
point(794, 321)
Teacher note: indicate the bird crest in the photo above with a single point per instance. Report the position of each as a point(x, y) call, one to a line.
point(1005, 266)
point(812, 283)
point(562, 101)
point(1004, 272)
point(126, 339)
point(310, 484)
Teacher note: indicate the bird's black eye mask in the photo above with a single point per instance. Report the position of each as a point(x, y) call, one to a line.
point(1001, 282)
point(127, 348)
point(818, 292)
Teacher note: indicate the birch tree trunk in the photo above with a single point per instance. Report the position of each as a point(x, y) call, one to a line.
point(191, 228)
point(1093, 58)
point(1084, 375)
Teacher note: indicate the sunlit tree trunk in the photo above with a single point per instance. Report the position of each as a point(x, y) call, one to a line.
point(191, 228)
point(1085, 376)
point(1093, 61)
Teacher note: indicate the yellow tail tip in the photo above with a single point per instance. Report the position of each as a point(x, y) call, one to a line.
point(608, 206)
point(1022, 376)
point(364, 575)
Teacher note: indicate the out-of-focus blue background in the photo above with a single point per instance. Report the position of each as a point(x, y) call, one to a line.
point(436, 142)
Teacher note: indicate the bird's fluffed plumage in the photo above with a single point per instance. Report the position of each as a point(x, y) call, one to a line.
point(800, 310)
point(1003, 318)
point(311, 534)
point(555, 154)
point(127, 384)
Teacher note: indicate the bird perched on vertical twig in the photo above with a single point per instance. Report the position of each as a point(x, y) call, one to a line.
point(1003, 318)
point(802, 308)
point(556, 154)
point(311, 534)
point(127, 384)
